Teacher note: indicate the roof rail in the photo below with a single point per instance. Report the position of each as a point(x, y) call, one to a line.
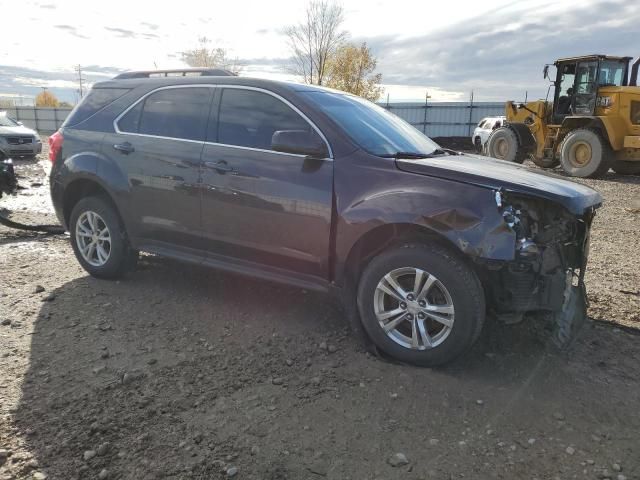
point(184, 72)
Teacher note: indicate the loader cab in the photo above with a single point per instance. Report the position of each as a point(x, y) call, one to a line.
point(578, 79)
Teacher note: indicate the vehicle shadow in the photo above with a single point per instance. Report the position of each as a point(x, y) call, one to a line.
point(178, 372)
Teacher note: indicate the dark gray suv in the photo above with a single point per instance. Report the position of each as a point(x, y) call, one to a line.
point(322, 190)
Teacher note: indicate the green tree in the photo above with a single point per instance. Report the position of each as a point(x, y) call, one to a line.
point(351, 69)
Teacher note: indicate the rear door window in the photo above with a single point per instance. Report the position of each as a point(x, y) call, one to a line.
point(248, 118)
point(180, 113)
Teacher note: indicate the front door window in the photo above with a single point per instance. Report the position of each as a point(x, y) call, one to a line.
point(565, 96)
point(586, 88)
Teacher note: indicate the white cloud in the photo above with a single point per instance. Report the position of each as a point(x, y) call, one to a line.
point(447, 48)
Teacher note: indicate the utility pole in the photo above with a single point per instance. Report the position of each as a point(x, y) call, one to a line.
point(79, 70)
point(426, 105)
point(470, 113)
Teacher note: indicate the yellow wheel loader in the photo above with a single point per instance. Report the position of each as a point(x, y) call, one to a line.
point(593, 123)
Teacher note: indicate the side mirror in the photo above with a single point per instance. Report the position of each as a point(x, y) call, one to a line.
point(299, 142)
point(545, 71)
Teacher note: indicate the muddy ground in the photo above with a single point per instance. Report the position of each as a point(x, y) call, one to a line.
point(183, 373)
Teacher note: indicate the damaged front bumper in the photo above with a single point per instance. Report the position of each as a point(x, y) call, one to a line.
point(547, 272)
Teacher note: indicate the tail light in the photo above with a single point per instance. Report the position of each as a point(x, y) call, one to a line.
point(55, 145)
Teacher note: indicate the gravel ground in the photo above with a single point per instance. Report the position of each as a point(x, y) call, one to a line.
point(183, 373)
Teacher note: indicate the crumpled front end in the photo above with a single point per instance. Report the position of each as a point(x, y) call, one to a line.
point(547, 273)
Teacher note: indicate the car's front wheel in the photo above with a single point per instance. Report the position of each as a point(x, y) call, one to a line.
point(421, 304)
point(99, 240)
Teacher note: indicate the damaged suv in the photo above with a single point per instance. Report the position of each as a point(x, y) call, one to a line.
point(325, 191)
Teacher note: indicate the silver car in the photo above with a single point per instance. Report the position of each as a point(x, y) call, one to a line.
point(16, 140)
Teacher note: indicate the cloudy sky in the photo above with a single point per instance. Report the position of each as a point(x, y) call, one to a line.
point(496, 48)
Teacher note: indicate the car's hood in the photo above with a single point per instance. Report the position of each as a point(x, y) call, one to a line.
point(496, 174)
point(17, 130)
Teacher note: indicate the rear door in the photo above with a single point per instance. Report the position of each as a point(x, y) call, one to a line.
point(158, 144)
point(260, 205)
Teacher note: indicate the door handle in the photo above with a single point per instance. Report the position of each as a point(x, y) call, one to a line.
point(221, 167)
point(125, 148)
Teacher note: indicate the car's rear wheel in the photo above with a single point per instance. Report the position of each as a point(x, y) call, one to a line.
point(503, 144)
point(99, 240)
point(584, 154)
point(421, 304)
point(477, 143)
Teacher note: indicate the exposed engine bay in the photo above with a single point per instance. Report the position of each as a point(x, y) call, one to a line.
point(547, 272)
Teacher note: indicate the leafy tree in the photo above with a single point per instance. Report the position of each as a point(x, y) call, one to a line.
point(315, 40)
point(46, 99)
point(351, 70)
point(206, 56)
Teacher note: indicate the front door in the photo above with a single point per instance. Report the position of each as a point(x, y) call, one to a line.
point(259, 205)
point(563, 101)
point(159, 145)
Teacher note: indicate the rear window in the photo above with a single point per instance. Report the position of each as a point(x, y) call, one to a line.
point(96, 100)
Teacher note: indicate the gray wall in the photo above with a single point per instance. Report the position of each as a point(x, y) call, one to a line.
point(446, 119)
point(43, 119)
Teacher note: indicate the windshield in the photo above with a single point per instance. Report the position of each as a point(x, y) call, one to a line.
point(7, 122)
point(370, 126)
point(611, 73)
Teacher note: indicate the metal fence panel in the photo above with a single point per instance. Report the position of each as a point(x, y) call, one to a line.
point(445, 119)
point(441, 119)
point(43, 119)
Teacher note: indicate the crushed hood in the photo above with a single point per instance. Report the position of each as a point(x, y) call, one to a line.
point(495, 174)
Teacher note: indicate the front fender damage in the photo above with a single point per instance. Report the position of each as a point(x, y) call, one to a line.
point(547, 272)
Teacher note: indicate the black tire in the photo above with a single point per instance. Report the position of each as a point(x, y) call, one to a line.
point(121, 257)
point(585, 154)
point(624, 167)
point(477, 143)
point(461, 283)
point(503, 144)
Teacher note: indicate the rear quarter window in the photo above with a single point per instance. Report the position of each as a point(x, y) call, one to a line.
point(96, 100)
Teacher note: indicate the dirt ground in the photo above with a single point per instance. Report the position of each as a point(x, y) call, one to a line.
point(183, 373)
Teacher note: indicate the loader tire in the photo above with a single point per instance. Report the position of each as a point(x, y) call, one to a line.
point(503, 144)
point(585, 154)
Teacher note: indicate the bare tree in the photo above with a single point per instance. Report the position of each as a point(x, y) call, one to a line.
point(315, 40)
point(204, 55)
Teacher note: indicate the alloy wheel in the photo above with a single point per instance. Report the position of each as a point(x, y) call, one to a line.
point(414, 308)
point(93, 238)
